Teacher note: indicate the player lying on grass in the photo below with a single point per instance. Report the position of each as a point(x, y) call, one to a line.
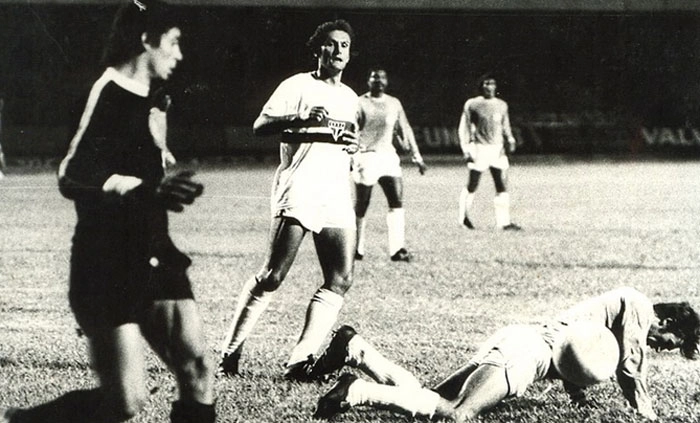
point(517, 356)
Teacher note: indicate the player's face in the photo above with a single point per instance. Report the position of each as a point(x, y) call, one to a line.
point(165, 57)
point(335, 51)
point(377, 80)
point(489, 88)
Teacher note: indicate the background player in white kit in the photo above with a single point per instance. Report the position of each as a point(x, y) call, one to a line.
point(485, 138)
point(316, 115)
point(382, 120)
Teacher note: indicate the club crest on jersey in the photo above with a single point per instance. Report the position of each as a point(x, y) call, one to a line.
point(337, 128)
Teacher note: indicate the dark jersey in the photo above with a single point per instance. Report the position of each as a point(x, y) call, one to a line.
point(122, 255)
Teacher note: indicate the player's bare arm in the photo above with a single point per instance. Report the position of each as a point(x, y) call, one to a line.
point(410, 137)
point(464, 134)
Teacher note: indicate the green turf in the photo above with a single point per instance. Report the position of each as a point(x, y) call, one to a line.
point(589, 226)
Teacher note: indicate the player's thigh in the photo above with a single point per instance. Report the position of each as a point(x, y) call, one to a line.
point(286, 235)
point(117, 356)
point(485, 387)
point(335, 248)
point(393, 189)
point(173, 328)
point(450, 387)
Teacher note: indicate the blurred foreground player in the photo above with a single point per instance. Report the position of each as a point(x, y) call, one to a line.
point(128, 281)
point(315, 113)
point(381, 120)
point(595, 339)
point(486, 138)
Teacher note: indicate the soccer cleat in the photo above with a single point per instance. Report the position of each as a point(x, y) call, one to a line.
point(333, 358)
point(301, 371)
point(358, 256)
point(401, 255)
point(229, 364)
point(335, 401)
point(512, 227)
point(468, 223)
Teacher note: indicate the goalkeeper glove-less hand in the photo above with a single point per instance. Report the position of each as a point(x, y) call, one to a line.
point(174, 191)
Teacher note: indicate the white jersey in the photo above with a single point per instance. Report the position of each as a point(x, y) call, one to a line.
point(489, 120)
point(312, 181)
point(379, 120)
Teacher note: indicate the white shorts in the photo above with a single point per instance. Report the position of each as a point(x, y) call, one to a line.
point(324, 216)
point(521, 351)
point(486, 156)
point(368, 167)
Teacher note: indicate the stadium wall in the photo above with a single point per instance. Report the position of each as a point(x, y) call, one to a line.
point(577, 81)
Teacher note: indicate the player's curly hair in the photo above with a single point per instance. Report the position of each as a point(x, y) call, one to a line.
point(152, 17)
point(319, 36)
point(686, 325)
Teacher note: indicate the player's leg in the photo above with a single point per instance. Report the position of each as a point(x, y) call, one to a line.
point(395, 218)
point(363, 194)
point(117, 358)
point(347, 347)
point(466, 198)
point(485, 387)
point(286, 235)
point(451, 386)
point(335, 250)
point(173, 328)
point(351, 391)
point(501, 202)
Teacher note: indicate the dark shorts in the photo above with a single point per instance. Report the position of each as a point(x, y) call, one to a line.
point(112, 286)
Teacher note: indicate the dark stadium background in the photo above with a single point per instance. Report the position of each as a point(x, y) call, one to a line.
point(580, 77)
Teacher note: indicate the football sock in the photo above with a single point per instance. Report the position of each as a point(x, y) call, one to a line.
point(395, 222)
point(415, 401)
point(363, 355)
point(466, 199)
point(251, 304)
point(192, 412)
point(321, 316)
point(501, 205)
point(361, 224)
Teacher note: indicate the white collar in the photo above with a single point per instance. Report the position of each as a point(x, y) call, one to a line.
point(127, 83)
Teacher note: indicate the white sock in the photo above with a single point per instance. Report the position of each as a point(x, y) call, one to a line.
point(252, 302)
point(360, 224)
point(501, 205)
point(466, 199)
point(363, 355)
point(321, 316)
point(396, 222)
point(415, 401)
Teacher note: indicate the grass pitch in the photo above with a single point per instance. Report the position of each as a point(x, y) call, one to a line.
point(589, 226)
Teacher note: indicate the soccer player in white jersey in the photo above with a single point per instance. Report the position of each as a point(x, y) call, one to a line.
point(516, 356)
point(486, 138)
point(316, 115)
point(382, 120)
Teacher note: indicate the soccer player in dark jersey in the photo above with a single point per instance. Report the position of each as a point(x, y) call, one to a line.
point(128, 281)
point(315, 114)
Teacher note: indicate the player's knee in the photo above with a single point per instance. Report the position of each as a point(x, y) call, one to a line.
point(340, 284)
point(270, 281)
point(196, 369)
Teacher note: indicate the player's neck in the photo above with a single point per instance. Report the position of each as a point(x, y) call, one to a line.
point(330, 77)
point(376, 93)
point(135, 69)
